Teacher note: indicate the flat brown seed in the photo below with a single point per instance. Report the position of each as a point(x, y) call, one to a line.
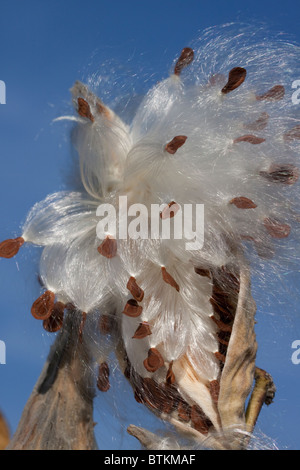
point(185, 59)
point(10, 247)
point(277, 229)
point(156, 396)
point(251, 139)
point(293, 134)
point(103, 378)
point(169, 279)
point(84, 109)
point(260, 123)
point(199, 420)
point(286, 174)
point(220, 357)
point(175, 144)
point(132, 308)
point(154, 360)
point(243, 203)
point(203, 272)
point(236, 77)
point(170, 377)
point(142, 331)
point(42, 307)
point(55, 322)
point(214, 388)
point(134, 289)
point(223, 337)
point(184, 411)
point(108, 247)
point(170, 210)
point(221, 325)
point(274, 94)
point(222, 308)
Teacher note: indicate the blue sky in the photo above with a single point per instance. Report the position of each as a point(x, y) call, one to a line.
point(47, 45)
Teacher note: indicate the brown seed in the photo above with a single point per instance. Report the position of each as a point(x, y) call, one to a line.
point(10, 247)
point(203, 272)
point(54, 323)
point(223, 337)
point(175, 144)
point(214, 388)
point(222, 308)
point(142, 331)
point(184, 411)
point(292, 134)
point(220, 357)
point(169, 279)
point(260, 123)
point(103, 378)
point(251, 139)
point(156, 395)
point(105, 324)
point(236, 77)
point(167, 401)
point(277, 229)
point(84, 109)
point(170, 210)
point(200, 422)
point(108, 247)
point(154, 360)
point(274, 94)
point(170, 377)
point(132, 308)
point(222, 326)
point(230, 280)
point(134, 289)
point(42, 307)
point(186, 57)
point(286, 174)
point(243, 203)
point(81, 326)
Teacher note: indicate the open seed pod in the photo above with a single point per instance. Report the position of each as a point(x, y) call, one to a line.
point(182, 398)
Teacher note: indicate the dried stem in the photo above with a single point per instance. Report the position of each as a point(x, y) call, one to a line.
point(59, 413)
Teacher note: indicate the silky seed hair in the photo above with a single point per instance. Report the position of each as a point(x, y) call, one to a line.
point(220, 131)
